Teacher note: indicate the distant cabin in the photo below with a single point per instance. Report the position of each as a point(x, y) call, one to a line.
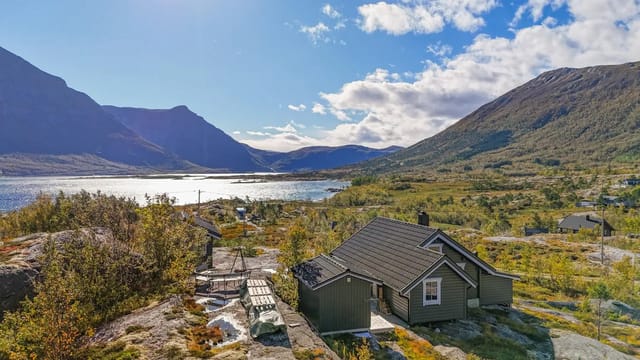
point(573, 224)
point(586, 203)
point(417, 272)
point(528, 231)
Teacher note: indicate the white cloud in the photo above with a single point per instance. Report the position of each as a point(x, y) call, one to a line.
point(258, 133)
point(300, 107)
point(289, 128)
point(283, 142)
point(398, 19)
point(404, 112)
point(388, 110)
point(536, 8)
point(423, 17)
point(318, 109)
point(298, 125)
point(317, 33)
point(439, 50)
point(236, 132)
point(330, 11)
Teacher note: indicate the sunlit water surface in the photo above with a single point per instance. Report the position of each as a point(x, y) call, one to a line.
point(16, 192)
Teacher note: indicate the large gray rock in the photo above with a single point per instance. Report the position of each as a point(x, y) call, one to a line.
point(568, 345)
point(15, 284)
point(18, 273)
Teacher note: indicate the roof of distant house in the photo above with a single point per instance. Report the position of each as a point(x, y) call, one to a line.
point(211, 228)
point(577, 222)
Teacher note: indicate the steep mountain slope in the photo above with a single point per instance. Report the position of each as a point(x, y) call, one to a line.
point(191, 137)
point(39, 114)
point(580, 116)
point(188, 135)
point(320, 157)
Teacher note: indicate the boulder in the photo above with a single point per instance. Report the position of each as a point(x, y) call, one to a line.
point(21, 266)
point(568, 345)
point(451, 352)
point(15, 284)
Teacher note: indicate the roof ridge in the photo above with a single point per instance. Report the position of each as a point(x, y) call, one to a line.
point(333, 261)
point(408, 223)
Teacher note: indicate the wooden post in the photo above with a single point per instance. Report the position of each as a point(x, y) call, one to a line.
point(602, 239)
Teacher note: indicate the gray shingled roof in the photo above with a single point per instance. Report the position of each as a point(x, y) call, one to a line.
point(576, 222)
point(211, 228)
point(388, 250)
point(319, 270)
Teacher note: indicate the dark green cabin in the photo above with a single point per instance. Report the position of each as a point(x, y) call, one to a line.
point(333, 298)
point(419, 272)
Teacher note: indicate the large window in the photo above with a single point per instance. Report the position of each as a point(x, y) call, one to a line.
point(431, 291)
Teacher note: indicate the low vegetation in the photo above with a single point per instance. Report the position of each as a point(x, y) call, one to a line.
point(84, 282)
point(486, 210)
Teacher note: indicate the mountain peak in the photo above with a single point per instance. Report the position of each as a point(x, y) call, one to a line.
point(181, 108)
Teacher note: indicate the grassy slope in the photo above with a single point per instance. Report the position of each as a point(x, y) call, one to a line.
point(579, 116)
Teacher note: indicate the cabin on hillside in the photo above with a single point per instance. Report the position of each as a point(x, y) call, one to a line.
point(573, 224)
point(417, 272)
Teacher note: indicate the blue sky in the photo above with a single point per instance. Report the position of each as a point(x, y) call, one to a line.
point(284, 74)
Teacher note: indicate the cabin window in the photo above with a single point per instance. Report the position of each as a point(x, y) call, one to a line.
point(435, 247)
point(431, 291)
point(462, 265)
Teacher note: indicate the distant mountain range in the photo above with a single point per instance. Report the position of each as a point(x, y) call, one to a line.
point(48, 128)
point(319, 157)
point(189, 136)
point(566, 116)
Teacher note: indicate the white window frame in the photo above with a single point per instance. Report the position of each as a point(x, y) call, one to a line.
point(438, 300)
point(462, 265)
point(433, 247)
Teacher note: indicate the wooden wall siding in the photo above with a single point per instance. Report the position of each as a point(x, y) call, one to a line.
point(398, 304)
point(471, 269)
point(453, 304)
point(495, 290)
point(344, 305)
point(308, 303)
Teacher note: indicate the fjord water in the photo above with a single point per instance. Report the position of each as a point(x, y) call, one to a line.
point(16, 192)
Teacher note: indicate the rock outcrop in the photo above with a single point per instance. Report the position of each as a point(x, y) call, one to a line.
point(20, 262)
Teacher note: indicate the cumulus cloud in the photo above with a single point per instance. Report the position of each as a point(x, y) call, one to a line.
point(383, 109)
point(300, 107)
point(330, 11)
point(318, 109)
point(319, 33)
point(404, 112)
point(439, 50)
point(316, 33)
point(536, 9)
point(423, 17)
